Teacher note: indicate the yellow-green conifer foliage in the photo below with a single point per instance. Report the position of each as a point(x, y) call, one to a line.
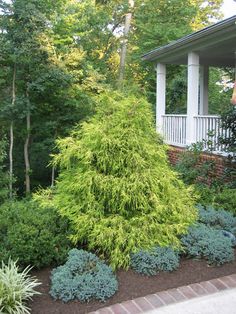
point(116, 185)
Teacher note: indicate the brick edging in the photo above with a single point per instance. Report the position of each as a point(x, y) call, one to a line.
point(170, 296)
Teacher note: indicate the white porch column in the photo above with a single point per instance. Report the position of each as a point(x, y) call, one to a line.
point(160, 94)
point(204, 80)
point(192, 96)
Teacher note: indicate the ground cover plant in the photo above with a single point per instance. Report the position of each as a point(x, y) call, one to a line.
point(206, 242)
point(32, 234)
point(213, 237)
point(156, 260)
point(83, 277)
point(131, 286)
point(16, 288)
point(116, 186)
point(219, 219)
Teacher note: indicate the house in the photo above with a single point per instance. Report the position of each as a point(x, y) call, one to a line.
point(213, 46)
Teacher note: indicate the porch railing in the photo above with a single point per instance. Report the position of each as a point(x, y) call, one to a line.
point(207, 130)
point(174, 129)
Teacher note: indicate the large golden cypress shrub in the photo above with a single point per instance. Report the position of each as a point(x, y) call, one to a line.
point(115, 183)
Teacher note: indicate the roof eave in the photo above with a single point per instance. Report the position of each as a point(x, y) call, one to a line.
point(191, 39)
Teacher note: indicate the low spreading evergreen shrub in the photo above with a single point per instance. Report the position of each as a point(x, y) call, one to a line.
point(116, 186)
point(206, 242)
point(16, 288)
point(84, 277)
point(156, 260)
point(218, 197)
point(226, 199)
point(219, 219)
point(32, 234)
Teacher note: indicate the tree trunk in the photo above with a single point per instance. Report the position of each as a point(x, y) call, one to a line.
point(123, 52)
point(11, 160)
point(53, 166)
point(53, 176)
point(12, 135)
point(26, 147)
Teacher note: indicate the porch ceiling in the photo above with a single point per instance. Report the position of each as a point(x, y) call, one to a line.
point(216, 46)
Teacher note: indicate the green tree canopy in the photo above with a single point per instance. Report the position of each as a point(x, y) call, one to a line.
point(55, 56)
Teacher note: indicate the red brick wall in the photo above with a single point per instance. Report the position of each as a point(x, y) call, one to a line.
point(174, 153)
point(220, 162)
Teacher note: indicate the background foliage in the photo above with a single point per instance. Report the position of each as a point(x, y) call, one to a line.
point(4, 178)
point(32, 234)
point(59, 55)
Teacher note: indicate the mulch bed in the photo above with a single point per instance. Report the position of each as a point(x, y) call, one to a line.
point(131, 285)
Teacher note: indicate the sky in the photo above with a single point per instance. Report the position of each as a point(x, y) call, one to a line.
point(229, 8)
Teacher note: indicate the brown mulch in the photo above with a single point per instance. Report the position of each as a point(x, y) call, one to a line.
point(131, 285)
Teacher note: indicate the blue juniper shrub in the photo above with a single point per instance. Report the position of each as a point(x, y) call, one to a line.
point(84, 277)
point(219, 218)
point(230, 235)
point(206, 242)
point(156, 260)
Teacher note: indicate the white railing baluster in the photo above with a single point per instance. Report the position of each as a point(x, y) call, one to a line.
point(205, 124)
point(174, 130)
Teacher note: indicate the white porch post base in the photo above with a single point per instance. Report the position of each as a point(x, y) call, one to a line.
point(192, 96)
point(160, 95)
